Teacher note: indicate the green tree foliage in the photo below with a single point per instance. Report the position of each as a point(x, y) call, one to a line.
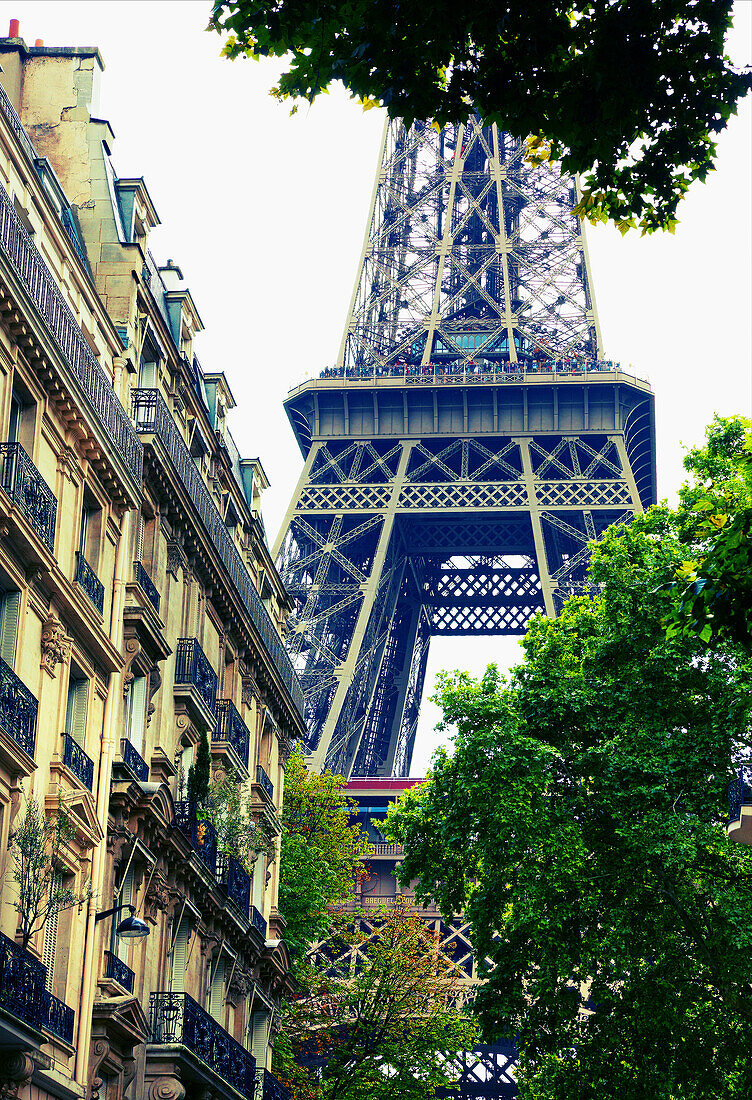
point(380, 1029)
point(199, 774)
point(322, 853)
point(714, 581)
point(629, 93)
point(580, 824)
point(37, 844)
point(229, 809)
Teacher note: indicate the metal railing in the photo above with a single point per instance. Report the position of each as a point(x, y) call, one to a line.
point(265, 783)
point(77, 760)
point(18, 709)
point(192, 668)
point(133, 760)
point(16, 125)
point(116, 969)
point(258, 921)
point(147, 584)
point(232, 729)
point(269, 1088)
point(236, 882)
point(27, 488)
point(200, 834)
point(22, 984)
point(61, 322)
point(59, 1019)
point(176, 1018)
point(90, 582)
point(387, 849)
point(740, 792)
point(153, 417)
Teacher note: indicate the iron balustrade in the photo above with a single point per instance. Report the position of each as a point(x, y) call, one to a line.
point(90, 582)
point(387, 849)
point(236, 882)
point(77, 760)
point(270, 1088)
point(153, 417)
point(258, 921)
point(176, 1018)
point(232, 729)
point(740, 792)
point(61, 322)
point(201, 834)
point(22, 984)
point(18, 709)
point(133, 760)
point(147, 584)
point(265, 783)
point(29, 491)
point(192, 668)
point(116, 969)
point(59, 1019)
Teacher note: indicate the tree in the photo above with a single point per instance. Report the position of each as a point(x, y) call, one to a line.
point(199, 774)
point(378, 1022)
point(37, 844)
point(627, 92)
point(321, 854)
point(228, 809)
point(580, 824)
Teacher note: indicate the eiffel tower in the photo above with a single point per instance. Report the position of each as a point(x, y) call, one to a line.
point(467, 446)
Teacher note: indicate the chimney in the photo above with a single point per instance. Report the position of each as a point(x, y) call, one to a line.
point(39, 42)
point(14, 29)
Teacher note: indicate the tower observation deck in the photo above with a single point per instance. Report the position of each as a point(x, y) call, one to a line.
point(469, 443)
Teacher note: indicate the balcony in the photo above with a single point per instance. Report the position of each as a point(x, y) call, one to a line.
point(117, 971)
point(29, 491)
point(388, 850)
point(79, 763)
point(200, 834)
point(269, 1088)
point(18, 710)
point(152, 417)
point(59, 319)
point(134, 761)
point(265, 783)
point(232, 730)
point(258, 921)
point(90, 582)
point(176, 1019)
point(23, 994)
point(739, 825)
point(236, 882)
point(196, 680)
point(147, 585)
point(59, 1019)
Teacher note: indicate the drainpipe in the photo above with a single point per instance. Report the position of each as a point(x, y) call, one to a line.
point(109, 739)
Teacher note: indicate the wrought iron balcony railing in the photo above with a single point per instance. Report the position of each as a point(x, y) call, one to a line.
point(387, 849)
point(59, 1019)
point(232, 729)
point(18, 709)
point(740, 792)
point(145, 581)
point(200, 834)
point(116, 969)
point(153, 417)
point(134, 760)
point(192, 669)
point(265, 783)
point(176, 1018)
point(258, 922)
point(236, 881)
point(77, 760)
point(90, 582)
point(22, 984)
point(29, 491)
point(40, 284)
point(269, 1088)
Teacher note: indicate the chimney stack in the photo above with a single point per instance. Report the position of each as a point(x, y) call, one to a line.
point(14, 29)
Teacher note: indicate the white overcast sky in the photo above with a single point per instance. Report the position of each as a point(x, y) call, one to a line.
point(265, 215)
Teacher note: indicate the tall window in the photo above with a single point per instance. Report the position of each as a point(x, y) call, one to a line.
point(49, 947)
point(75, 710)
point(10, 606)
point(136, 713)
point(217, 991)
point(91, 515)
point(180, 956)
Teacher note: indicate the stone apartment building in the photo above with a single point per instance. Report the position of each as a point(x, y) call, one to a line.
point(140, 612)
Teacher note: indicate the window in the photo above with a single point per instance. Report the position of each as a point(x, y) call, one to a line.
point(186, 760)
point(75, 710)
point(180, 956)
point(217, 991)
point(258, 1032)
point(91, 517)
point(10, 606)
point(135, 720)
point(49, 948)
point(21, 419)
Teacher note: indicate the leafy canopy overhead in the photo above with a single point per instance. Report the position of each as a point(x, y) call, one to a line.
point(630, 94)
point(580, 823)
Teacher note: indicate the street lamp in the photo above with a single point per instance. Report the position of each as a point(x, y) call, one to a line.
point(131, 928)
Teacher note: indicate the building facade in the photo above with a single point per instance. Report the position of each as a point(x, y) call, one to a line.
point(141, 615)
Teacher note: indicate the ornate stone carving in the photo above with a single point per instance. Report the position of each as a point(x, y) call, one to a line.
point(157, 897)
point(155, 682)
point(176, 558)
point(56, 645)
point(16, 1071)
point(132, 650)
point(166, 1088)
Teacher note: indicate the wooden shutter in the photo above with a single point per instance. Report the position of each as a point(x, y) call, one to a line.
point(75, 717)
point(217, 992)
point(10, 607)
point(137, 712)
point(126, 898)
point(259, 1036)
point(138, 549)
point(50, 932)
point(180, 956)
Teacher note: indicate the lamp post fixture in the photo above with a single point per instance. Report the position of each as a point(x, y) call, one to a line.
point(131, 928)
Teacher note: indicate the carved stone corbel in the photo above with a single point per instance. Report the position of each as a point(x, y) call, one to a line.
point(55, 645)
point(176, 557)
point(155, 682)
point(166, 1088)
point(132, 650)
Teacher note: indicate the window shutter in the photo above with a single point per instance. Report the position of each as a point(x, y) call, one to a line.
point(217, 991)
point(10, 608)
point(75, 719)
point(180, 956)
point(137, 712)
point(50, 932)
point(259, 1036)
point(139, 546)
point(125, 898)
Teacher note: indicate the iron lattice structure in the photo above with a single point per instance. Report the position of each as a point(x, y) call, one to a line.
point(467, 446)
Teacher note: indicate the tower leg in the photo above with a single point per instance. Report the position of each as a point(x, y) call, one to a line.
point(544, 575)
